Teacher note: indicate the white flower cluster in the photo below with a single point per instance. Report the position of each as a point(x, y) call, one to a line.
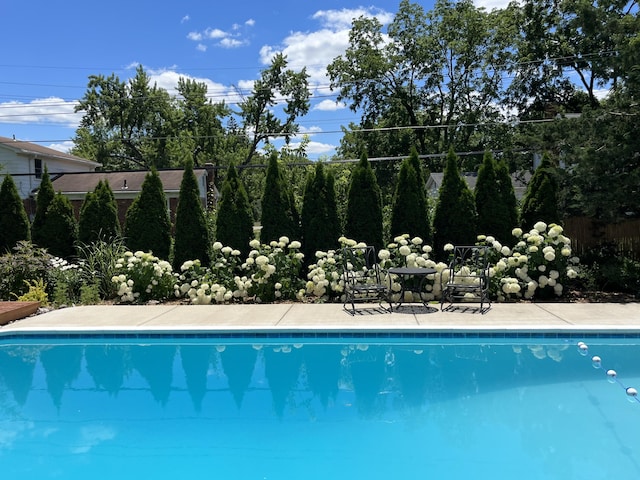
point(539, 264)
point(269, 272)
point(324, 278)
point(143, 277)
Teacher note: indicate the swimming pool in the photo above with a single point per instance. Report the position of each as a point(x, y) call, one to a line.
point(292, 408)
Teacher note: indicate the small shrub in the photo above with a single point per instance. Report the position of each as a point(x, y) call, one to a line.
point(36, 292)
point(90, 294)
point(22, 266)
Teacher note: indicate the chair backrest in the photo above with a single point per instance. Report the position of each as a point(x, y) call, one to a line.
point(360, 264)
point(469, 261)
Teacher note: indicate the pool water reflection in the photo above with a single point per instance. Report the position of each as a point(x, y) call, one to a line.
point(292, 410)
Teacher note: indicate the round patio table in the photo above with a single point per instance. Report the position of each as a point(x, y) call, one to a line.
point(406, 274)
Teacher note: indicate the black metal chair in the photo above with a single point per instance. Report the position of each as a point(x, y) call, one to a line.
point(466, 279)
point(363, 281)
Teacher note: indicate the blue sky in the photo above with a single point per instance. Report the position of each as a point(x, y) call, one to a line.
point(51, 48)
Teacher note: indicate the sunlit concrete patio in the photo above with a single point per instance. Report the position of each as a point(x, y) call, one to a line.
point(298, 317)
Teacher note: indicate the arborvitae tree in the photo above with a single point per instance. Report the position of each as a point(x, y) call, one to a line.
point(191, 239)
point(508, 201)
point(99, 215)
point(364, 206)
point(454, 220)
point(320, 225)
point(60, 227)
point(147, 224)
point(234, 223)
point(541, 200)
point(279, 215)
point(14, 222)
point(43, 200)
point(333, 219)
point(493, 214)
point(410, 213)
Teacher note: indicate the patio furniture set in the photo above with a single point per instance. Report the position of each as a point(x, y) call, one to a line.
point(464, 281)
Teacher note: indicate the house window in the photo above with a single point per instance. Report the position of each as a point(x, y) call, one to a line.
point(38, 167)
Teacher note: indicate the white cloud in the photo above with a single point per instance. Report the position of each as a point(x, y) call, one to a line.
point(232, 43)
point(310, 130)
point(168, 80)
point(186, 18)
point(215, 33)
point(225, 39)
point(491, 4)
point(64, 147)
point(315, 148)
point(342, 19)
point(315, 50)
point(329, 106)
point(43, 110)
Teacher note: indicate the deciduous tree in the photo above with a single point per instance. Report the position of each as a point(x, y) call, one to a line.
point(257, 110)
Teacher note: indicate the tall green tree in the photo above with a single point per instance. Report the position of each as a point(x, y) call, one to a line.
point(43, 200)
point(438, 68)
point(364, 206)
point(320, 224)
point(410, 213)
point(493, 213)
point(191, 237)
point(99, 215)
point(60, 227)
point(454, 220)
point(125, 124)
point(279, 214)
point(508, 201)
point(14, 223)
point(257, 110)
point(540, 203)
point(147, 224)
point(199, 133)
point(234, 223)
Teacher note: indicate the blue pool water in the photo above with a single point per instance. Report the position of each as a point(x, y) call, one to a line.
point(300, 409)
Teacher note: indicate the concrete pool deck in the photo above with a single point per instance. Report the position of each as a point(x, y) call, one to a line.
point(298, 317)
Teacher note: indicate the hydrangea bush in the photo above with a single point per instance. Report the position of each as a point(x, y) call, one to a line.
point(539, 265)
point(143, 277)
point(270, 272)
point(273, 271)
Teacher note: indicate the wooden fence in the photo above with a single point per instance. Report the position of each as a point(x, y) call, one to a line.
point(586, 233)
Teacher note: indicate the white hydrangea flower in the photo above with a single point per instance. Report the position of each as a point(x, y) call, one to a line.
point(540, 227)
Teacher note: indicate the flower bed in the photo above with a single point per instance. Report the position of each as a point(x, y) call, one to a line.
point(539, 265)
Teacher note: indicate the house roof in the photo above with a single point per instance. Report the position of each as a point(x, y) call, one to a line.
point(129, 181)
point(20, 147)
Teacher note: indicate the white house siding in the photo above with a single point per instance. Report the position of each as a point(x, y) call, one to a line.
point(18, 159)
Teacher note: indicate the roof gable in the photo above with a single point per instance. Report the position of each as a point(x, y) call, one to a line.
point(20, 147)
